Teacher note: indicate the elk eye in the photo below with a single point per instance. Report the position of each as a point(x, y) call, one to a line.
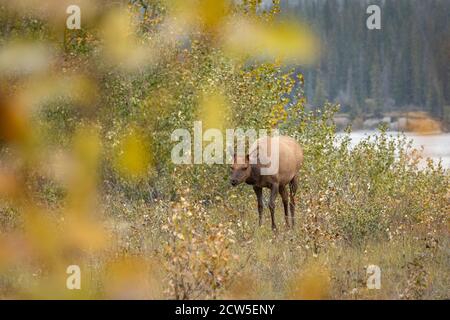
point(244, 168)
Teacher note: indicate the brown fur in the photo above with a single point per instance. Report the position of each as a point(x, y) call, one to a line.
point(290, 161)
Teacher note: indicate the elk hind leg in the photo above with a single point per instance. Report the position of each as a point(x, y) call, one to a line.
point(285, 198)
point(293, 186)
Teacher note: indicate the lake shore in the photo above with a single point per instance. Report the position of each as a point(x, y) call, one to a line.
point(414, 121)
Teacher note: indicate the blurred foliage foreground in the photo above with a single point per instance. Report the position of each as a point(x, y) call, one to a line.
point(86, 177)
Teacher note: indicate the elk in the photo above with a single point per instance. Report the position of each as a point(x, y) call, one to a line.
point(249, 169)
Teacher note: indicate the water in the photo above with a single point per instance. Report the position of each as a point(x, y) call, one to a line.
point(435, 146)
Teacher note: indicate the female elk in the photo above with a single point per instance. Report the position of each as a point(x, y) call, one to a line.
point(250, 169)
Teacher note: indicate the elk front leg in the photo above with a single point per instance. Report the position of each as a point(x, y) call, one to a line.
point(258, 191)
point(273, 196)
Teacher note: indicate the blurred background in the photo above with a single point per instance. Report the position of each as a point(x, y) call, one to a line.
point(87, 180)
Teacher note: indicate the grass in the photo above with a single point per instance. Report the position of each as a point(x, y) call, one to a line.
point(284, 265)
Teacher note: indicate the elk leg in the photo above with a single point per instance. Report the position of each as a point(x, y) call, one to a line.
point(293, 185)
point(258, 191)
point(285, 198)
point(273, 195)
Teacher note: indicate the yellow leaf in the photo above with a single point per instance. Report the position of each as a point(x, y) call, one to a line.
point(133, 156)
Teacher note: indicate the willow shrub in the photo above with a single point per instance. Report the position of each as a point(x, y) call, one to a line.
point(378, 188)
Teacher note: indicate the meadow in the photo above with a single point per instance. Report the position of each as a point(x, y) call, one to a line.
point(86, 176)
